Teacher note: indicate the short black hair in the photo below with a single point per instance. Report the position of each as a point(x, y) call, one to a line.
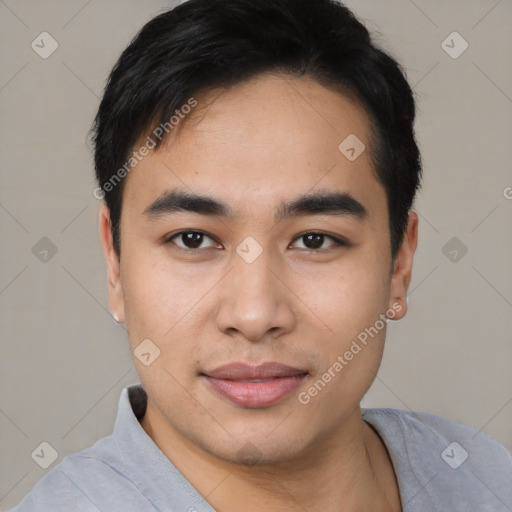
point(202, 45)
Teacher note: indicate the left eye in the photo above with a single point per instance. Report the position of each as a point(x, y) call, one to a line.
point(316, 240)
point(190, 239)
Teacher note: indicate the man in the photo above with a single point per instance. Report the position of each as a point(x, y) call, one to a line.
point(259, 167)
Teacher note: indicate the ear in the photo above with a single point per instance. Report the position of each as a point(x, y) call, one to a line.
point(402, 268)
point(114, 286)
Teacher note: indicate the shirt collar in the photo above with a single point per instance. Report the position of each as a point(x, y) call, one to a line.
point(145, 464)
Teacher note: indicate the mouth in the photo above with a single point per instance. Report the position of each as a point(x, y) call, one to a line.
point(254, 387)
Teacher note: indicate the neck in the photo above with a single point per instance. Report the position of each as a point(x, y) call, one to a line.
point(349, 470)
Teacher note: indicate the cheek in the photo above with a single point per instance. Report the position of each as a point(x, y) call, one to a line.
point(353, 306)
point(164, 303)
point(348, 297)
point(351, 301)
point(154, 297)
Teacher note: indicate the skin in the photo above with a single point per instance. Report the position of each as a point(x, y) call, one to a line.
point(254, 146)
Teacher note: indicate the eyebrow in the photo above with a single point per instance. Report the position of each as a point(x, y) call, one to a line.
point(326, 203)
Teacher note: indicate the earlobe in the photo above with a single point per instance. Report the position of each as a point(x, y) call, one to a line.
point(114, 285)
point(402, 270)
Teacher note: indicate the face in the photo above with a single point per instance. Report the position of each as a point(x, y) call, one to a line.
point(266, 295)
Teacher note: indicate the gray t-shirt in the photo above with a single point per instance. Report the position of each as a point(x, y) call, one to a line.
point(440, 466)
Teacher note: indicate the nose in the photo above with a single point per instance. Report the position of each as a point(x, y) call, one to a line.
point(256, 303)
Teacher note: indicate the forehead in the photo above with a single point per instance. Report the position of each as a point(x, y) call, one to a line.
point(265, 138)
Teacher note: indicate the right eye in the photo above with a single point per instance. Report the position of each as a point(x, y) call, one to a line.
point(190, 240)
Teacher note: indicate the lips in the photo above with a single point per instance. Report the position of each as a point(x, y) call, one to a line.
point(254, 386)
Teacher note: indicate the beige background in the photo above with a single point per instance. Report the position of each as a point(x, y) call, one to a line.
point(64, 360)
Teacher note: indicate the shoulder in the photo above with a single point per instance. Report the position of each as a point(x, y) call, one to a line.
point(438, 459)
point(413, 424)
point(85, 481)
point(418, 431)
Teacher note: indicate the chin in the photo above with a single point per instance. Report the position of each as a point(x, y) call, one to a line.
point(259, 452)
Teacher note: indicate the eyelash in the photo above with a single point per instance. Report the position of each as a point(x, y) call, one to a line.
point(338, 242)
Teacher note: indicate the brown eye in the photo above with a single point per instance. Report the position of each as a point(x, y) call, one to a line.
point(190, 239)
point(315, 241)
